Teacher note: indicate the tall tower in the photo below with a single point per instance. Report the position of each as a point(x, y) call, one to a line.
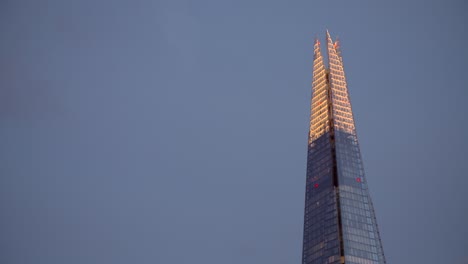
point(339, 219)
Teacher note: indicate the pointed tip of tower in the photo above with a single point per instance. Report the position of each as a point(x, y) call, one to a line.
point(329, 38)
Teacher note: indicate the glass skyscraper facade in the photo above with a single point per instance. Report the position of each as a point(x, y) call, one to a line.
point(339, 220)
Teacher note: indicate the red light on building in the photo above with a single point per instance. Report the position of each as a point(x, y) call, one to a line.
point(316, 185)
point(358, 179)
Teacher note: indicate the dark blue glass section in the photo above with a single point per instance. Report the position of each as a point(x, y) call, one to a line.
point(321, 237)
point(361, 237)
point(339, 218)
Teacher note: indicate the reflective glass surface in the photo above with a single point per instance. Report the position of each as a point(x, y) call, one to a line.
point(361, 237)
point(321, 237)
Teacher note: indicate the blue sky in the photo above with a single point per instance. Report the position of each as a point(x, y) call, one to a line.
point(176, 131)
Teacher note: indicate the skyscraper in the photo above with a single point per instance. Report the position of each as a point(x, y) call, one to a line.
point(339, 219)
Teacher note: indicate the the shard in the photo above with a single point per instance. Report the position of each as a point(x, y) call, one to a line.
point(339, 220)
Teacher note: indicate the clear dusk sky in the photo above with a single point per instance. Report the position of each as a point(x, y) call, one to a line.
point(176, 131)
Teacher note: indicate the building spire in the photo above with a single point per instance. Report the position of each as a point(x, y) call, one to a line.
point(330, 45)
point(328, 37)
point(339, 219)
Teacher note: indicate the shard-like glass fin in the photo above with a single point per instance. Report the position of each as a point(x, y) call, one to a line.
point(361, 238)
point(319, 121)
point(341, 107)
point(321, 236)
